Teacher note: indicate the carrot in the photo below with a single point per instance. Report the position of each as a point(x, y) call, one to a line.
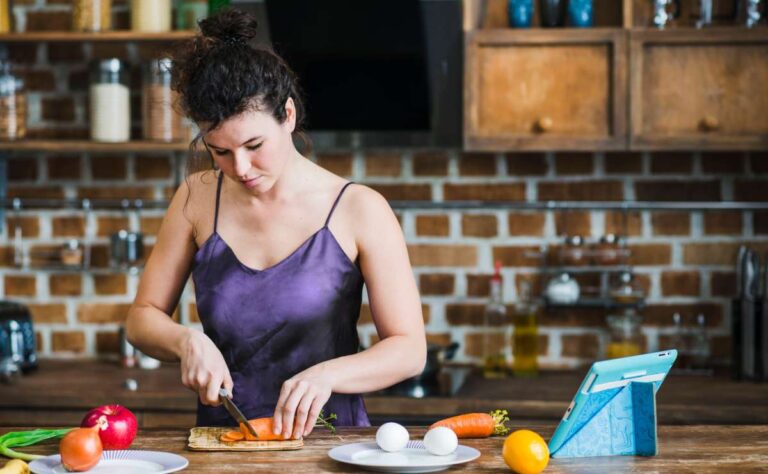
point(476, 425)
point(263, 428)
point(232, 436)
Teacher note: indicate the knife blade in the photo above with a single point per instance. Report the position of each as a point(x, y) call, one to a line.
point(234, 411)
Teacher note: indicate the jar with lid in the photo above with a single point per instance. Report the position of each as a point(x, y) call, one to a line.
point(110, 101)
point(151, 15)
point(189, 12)
point(91, 15)
point(624, 336)
point(609, 250)
point(13, 105)
point(72, 253)
point(160, 121)
point(574, 252)
point(626, 290)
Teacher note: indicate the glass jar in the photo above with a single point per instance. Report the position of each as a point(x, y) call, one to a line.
point(189, 12)
point(72, 253)
point(574, 252)
point(160, 121)
point(151, 15)
point(91, 15)
point(626, 290)
point(607, 251)
point(5, 16)
point(665, 12)
point(624, 336)
point(110, 101)
point(13, 105)
point(216, 5)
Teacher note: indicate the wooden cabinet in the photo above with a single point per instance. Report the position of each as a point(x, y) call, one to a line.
point(543, 90)
point(699, 89)
point(621, 85)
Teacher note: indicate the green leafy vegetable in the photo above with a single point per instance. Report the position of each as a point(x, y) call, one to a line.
point(19, 439)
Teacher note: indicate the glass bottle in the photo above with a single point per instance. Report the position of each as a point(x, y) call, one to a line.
point(700, 347)
point(160, 121)
point(525, 343)
point(91, 15)
point(151, 15)
point(189, 12)
point(680, 341)
point(110, 105)
point(13, 105)
point(665, 12)
point(624, 337)
point(496, 330)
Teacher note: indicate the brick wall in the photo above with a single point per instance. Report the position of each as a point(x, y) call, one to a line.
point(685, 261)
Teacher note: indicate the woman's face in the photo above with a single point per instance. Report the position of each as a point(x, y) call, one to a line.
point(252, 148)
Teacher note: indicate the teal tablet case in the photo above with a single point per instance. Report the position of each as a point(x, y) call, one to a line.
point(620, 421)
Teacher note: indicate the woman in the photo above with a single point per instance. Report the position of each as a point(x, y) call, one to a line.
point(278, 249)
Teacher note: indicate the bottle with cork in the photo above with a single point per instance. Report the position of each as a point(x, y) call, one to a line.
point(496, 330)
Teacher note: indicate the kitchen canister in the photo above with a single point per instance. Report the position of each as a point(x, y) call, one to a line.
point(580, 13)
point(13, 105)
point(91, 15)
point(520, 13)
point(151, 15)
point(552, 13)
point(110, 101)
point(160, 121)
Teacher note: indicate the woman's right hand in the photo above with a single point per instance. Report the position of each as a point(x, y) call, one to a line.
point(203, 368)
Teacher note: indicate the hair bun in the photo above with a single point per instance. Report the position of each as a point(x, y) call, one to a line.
point(230, 26)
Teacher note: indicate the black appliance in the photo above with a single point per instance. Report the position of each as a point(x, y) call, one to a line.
point(17, 336)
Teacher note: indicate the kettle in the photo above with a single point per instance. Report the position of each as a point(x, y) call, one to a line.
point(17, 336)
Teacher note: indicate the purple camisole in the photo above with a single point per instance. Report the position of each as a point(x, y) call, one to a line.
point(271, 324)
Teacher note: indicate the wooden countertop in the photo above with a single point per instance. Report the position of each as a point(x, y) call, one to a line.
point(699, 449)
point(72, 387)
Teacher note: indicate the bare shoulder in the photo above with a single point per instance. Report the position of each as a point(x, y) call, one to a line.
point(366, 204)
point(195, 199)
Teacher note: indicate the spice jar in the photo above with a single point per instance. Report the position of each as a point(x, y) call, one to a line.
point(624, 336)
point(608, 250)
point(91, 15)
point(151, 15)
point(13, 105)
point(626, 291)
point(574, 251)
point(189, 12)
point(5, 16)
point(110, 102)
point(72, 253)
point(159, 119)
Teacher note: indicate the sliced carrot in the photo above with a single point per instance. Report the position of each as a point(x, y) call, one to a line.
point(476, 425)
point(263, 428)
point(235, 434)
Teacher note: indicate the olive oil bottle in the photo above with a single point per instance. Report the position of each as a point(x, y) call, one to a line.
point(525, 343)
point(496, 330)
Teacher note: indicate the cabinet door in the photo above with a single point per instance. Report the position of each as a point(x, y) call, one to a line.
point(704, 89)
point(545, 90)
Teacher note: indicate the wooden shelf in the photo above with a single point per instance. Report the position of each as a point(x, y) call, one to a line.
point(121, 35)
point(90, 146)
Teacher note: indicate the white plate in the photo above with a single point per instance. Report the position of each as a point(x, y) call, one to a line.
point(126, 461)
point(414, 458)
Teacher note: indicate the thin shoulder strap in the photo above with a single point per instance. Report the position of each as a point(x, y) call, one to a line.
point(333, 208)
point(218, 198)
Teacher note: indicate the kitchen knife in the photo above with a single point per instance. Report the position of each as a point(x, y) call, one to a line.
point(234, 411)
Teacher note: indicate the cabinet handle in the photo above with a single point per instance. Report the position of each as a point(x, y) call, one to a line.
point(709, 124)
point(544, 124)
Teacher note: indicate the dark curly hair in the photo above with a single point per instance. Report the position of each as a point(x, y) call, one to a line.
point(220, 74)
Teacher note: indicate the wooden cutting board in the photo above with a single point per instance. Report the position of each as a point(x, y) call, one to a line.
point(206, 438)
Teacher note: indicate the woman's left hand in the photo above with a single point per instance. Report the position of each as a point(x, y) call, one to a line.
point(301, 399)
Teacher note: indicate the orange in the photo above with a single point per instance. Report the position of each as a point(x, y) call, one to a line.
point(525, 452)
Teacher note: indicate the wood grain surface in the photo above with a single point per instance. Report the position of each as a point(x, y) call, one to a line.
point(682, 449)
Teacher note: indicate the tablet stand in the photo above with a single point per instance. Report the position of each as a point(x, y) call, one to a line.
point(619, 421)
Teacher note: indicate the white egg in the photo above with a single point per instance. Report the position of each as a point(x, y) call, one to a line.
point(392, 437)
point(440, 441)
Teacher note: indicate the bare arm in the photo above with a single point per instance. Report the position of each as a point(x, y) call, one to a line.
point(149, 326)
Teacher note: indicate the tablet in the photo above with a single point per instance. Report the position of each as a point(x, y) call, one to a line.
point(604, 380)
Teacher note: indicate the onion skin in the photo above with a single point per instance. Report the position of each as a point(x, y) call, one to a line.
point(81, 448)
